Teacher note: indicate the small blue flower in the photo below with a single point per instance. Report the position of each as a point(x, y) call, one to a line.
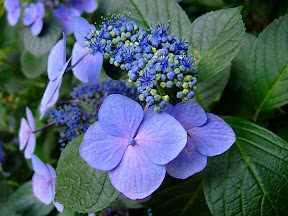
point(135, 170)
point(13, 11)
point(34, 14)
point(146, 79)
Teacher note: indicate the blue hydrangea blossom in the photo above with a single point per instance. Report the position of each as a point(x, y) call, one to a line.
point(56, 67)
point(207, 135)
point(132, 146)
point(26, 134)
point(89, 67)
point(65, 16)
point(43, 182)
point(34, 14)
point(13, 11)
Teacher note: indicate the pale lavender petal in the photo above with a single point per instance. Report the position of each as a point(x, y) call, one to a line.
point(51, 103)
point(100, 150)
point(96, 64)
point(30, 147)
point(120, 116)
point(40, 9)
point(168, 108)
point(77, 53)
point(39, 167)
point(136, 176)
point(10, 5)
point(81, 28)
point(88, 6)
point(52, 173)
point(161, 136)
point(30, 119)
point(42, 189)
point(37, 27)
point(24, 133)
point(187, 163)
point(56, 59)
point(30, 14)
point(189, 114)
point(213, 138)
point(13, 16)
point(52, 87)
point(57, 205)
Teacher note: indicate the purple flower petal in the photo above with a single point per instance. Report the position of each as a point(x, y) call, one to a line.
point(13, 16)
point(168, 108)
point(39, 167)
point(136, 176)
point(100, 150)
point(88, 6)
point(96, 64)
point(52, 86)
point(30, 14)
point(81, 28)
point(213, 138)
point(57, 205)
point(37, 27)
point(190, 114)
point(24, 133)
point(42, 188)
point(187, 163)
point(30, 147)
point(120, 116)
point(52, 172)
point(161, 136)
point(10, 5)
point(51, 103)
point(30, 119)
point(40, 9)
point(56, 59)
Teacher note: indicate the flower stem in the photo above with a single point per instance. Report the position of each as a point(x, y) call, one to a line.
point(70, 68)
point(49, 124)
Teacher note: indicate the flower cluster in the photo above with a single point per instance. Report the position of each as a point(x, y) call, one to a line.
point(73, 120)
point(34, 12)
point(155, 61)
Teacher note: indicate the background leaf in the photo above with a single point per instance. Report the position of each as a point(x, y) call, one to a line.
point(210, 90)
point(7, 210)
point(269, 69)
point(78, 185)
point(250, 178)
point(33, 66)
point(42, 44)
point(25, 202)
point(179, 197)
point(214, 39)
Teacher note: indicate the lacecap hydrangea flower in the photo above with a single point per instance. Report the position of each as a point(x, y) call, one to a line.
point(132, 145)
point(207, 135)
point(13, 11)
point(43, 182)
point(26, 135)
point(34, 14)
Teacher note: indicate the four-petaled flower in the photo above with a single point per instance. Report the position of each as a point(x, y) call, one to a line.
point(43, 182)
point(207, 135)
point(34, 14)
point(132, 146)
point(89, 68)
point(56, 67)
point(27, 135)
point(13, 11)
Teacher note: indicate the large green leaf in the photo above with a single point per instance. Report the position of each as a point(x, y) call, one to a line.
point(145, 12)
point(33, 66)
point(179, 197)
point(25, 202)
point(6, 209)
point(269, 69)
point(252, 177)
point(214, 39)
point(240, 77)
point(41, 44)
point(8, 33)
point(209, 90)
point(78, 185)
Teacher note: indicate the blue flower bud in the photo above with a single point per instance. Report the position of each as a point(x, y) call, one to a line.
point(150, 100)
point(170, 75)
point(163, 77)
point(169, 84)
point(190, 95)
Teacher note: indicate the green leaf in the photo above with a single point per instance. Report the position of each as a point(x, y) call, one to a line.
point(7, 210)
point(251, 178)
point(8, 33)
point(5, 192)
point(25, 202)
point(42, 44)
point(33, 66)
point(269, 67)
point(209, 90)
point(145, 12)
point(240, 78)
point(179, 197)
point(78, 185)
point(66, 212)
point(214, 39)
